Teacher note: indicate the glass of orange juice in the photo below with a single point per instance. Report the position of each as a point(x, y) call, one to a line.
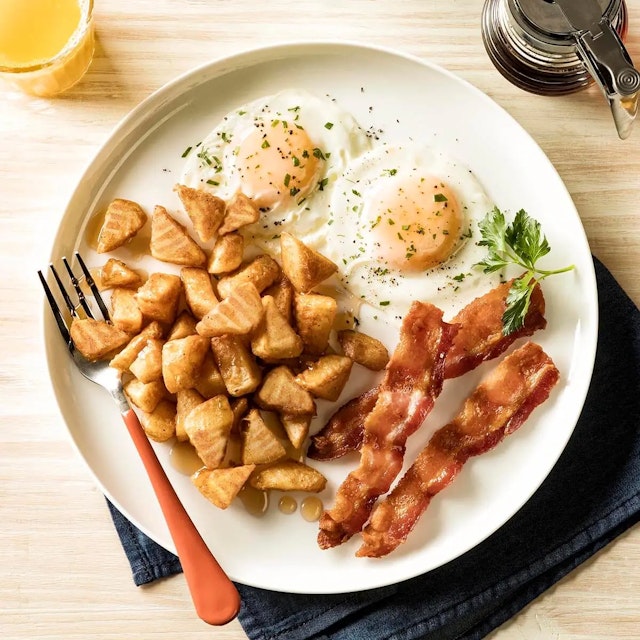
point(45, 45)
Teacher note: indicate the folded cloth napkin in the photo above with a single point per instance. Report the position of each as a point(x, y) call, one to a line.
point(591, 496)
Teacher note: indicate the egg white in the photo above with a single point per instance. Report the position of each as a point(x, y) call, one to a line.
point(335, 134)
point(350, 245)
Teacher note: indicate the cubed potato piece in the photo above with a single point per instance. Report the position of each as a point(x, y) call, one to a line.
point(237, 366)
point(208, 426)
point(122, 221)
point(147, 366)
point(198, 291)
point(226, 255)
point(297, 428)
point(327, 377)
point(125, 358)
point(182, 361)
point(221, 486)
point(160, 424)
point(241, 211)
point(158, 298)
point(280, 392)
point(363, 349)
point(205, 210)
point(210, 382)
point(274, 339)
point(314, 315)
point(238, 314)
point(288, 476)
point(282, 294)
point(170, 241)
point(185, 325)
point(186, 400)
point(146, 396)
point(125, 313)
point(304, 266)
point(262, 272)
point(97, 339)
point(259, 444)
point(115, 273)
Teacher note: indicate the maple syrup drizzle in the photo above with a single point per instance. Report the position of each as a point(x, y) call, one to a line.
point(255, 501)
point(92, 230)
point(287, 505)
point(183, 458)
point(311, 508)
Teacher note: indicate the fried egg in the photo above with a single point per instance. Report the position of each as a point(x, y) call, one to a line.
point(404, 226)
point(283, 151)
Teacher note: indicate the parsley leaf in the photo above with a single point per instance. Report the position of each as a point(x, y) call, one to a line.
point(520, 243)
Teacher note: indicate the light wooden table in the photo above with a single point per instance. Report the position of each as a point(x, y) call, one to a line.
point(62, 571)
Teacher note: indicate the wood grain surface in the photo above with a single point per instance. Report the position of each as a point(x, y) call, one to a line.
point(62, 571)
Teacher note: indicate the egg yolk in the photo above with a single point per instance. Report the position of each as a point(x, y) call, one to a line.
point(416, 222)
point(278, 164)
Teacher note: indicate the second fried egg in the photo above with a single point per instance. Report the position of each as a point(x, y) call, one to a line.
point(403, 227)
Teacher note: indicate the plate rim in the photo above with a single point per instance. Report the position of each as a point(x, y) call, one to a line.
point(243, 59)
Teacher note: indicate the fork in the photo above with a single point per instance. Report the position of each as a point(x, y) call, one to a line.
point(215, 597)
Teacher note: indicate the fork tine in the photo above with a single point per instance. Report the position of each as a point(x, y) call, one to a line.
point(94, 289)
point(76, 285)
point(62, 325)
point(63, 291)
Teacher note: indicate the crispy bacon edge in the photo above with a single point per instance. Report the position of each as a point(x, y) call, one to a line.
point(412, 382)
point(479, 339)
point(499, 405)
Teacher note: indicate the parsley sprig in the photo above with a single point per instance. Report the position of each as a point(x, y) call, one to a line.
point(520, 243)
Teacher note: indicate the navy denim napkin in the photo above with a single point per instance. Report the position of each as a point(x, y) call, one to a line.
point(591, 496)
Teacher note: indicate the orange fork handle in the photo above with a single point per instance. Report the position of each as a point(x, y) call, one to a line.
point(215, 597)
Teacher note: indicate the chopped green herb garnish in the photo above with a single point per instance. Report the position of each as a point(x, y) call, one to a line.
point(440, 197)
point(265, 144)
point(356, 193)
point(390, 172)
point(186, 152)
point(385, 303)
point(294, 191)
point(328, 125)
point(318, 153)
point(213, 183)
point(296, 161)
point(322, 184)
point(287, 179)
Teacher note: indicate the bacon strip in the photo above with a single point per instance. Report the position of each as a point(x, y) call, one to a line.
point(479, 338)
point(498, 406)
point(412, 382)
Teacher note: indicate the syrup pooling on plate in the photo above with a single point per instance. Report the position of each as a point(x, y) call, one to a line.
point(184, 458)
point(287, 505)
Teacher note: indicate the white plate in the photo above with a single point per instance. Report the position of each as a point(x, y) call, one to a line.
point(142, 161)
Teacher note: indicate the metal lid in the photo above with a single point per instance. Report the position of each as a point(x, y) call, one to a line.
point(549, 21)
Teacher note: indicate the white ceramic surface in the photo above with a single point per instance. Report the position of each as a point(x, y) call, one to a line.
point(405, 97)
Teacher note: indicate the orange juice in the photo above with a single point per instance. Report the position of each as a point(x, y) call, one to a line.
point(45, 45)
